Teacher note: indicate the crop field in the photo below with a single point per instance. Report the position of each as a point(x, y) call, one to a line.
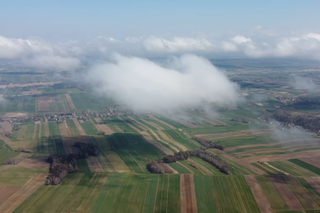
point(179, 137)
point(134, 150)
point(54, 129)
point(83, 101)
point(305, 165)
point(108, 158)
point(74, 130)
point(230, 194)
point(236, 169)
point(292, 169)
point(5, 155)
point(144, 123)
point(180, 168)
point(19, 104)
point(4, 146)
point(53, 145)
point(171, 122)
point(59, 104)
point(273, 196)
point(89, 128)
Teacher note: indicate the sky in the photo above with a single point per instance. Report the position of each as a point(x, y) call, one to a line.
point(84, 20)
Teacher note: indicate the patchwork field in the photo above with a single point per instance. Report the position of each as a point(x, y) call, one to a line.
point(269, 174)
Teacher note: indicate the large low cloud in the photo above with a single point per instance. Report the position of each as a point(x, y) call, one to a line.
point(141, 84)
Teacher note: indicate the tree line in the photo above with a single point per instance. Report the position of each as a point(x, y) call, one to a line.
point(158, 166)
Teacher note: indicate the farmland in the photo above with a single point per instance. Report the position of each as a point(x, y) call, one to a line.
point(267, 173)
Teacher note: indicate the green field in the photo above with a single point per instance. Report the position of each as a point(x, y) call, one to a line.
point(134, 150)
point(305, 165)
point(292, 168)
point(89, 128)
point(83, 101)
point(5, 155)
point(74, 130)
point(230, 194)
point(273, 196)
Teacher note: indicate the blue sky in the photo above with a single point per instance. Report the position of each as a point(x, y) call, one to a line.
point(84, 20)
point(67, 34)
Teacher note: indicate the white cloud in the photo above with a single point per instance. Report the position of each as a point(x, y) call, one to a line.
point(240, 39)
point(71, 54)
point(141, 84)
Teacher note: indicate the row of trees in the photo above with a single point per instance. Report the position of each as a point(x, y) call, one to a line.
point(156, 166)
point(208, 144)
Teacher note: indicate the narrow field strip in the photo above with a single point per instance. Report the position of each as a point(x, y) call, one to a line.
point(258, 194)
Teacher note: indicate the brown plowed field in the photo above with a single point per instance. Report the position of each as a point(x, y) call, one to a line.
point(258, 194)
point(6, 127)
point(241, 162)
point(6, 192)
point(157, 119)
point(72, 106)
point(289, 198)
point(33, 163)
point(14, 115)
point(44, 103)
point(187, 194)
point(79, 127)
point(94, 164)
point(98, 120)
point(21, 195)
point(265, 158)
point(315, 161)
point(104, 128)
point(34, 132)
